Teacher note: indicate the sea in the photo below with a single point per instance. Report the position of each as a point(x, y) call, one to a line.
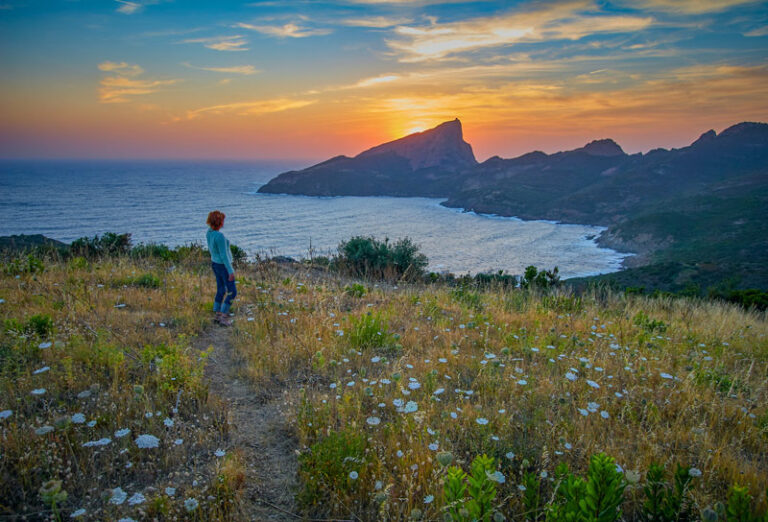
point(168, 202)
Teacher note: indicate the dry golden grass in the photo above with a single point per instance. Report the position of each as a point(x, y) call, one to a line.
point(668, 381)
point(118, 356)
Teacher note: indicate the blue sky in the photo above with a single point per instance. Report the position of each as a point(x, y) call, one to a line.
point(311, 79)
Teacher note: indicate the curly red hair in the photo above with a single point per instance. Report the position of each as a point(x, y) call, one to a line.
point(216, 219)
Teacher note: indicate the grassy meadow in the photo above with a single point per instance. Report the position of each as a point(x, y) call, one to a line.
point(397, 379)
point(397, 389)
point(105, 411)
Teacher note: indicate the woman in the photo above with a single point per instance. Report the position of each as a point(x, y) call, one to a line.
point(221, 260)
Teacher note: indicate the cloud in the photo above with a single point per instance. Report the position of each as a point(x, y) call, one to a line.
point(557, 21)
point(221, 43)
point(123, 82)
point(760, 31)
point(253, 108)
point(289, 30)
point(687, 6)
point(375, 22)
point(128, 8)
point(235, 69)
point(698, 93)
point(414, 2)
point(122, 68)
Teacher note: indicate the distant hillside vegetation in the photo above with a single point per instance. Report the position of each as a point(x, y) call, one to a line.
point(700, 209)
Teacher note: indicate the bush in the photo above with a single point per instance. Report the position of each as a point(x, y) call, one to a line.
point(368, 257)
point(369, 331)
point(153, 250)
point(110, 244)
point(325, 470)
point(24, 265)
point(239, 256)
point(534, 277)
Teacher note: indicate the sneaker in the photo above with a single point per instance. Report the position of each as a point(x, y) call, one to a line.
point(223, 320)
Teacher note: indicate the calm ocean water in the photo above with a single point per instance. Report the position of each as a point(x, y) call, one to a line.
point(167, 202)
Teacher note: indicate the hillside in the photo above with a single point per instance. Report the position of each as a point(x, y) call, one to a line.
point(701, 208)
point(421, 164)
point(111, 407)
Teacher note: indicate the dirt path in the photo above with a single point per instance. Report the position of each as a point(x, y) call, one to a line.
point(259, 428)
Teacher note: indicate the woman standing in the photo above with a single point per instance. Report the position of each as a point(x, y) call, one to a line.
point(221, 260)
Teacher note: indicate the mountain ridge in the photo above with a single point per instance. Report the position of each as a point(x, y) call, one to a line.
point(642, 199)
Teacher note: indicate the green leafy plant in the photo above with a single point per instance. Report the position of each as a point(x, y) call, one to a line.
point(665, 502)
point(355, 290)
point(325, 469)
point(369, 257)
point(471, 497)
point(369, 331)
point(739, 507)
point(649, 325)
point(533, 277)
point(596, 499)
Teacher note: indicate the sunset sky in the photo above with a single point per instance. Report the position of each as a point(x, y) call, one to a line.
point(310, 79)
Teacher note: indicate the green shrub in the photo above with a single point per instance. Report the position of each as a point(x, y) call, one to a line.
point(147, 281)
point(471, 497)
point(28, 264)
point(153, 251)
point(368, 257)
point(739, 508)
point(648, 324)
point(534, 278)
point(110, 244)
point(369, 331)
point(355, 290)
point(40, 325)
point(143, 281)
point(239, 256)
point(498, 279)
point(325, 469)
point(664, 502)
point(598, 498)
point(467, 297)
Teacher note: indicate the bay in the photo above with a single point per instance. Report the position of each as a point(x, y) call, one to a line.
point(168, 201)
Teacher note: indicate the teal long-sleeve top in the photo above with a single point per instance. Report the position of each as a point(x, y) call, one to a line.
point(218, 246)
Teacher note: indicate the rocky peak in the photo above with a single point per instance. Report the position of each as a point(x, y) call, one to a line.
point(442, 146)
point(707, 137)
point(606, 147)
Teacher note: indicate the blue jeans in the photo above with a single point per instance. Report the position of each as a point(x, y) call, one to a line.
point(223, 286)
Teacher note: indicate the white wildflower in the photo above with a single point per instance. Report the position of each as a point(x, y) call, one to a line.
point(118, 496)
point(496, 476)
point(481, 421)
point(147, 441)
point(191, 504)
point(373, 421)
point(136, 499)
point(122, 433)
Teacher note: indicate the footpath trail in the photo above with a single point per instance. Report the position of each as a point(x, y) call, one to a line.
point(258, 427)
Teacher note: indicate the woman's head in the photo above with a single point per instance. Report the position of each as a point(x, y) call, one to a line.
point(215, 219)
